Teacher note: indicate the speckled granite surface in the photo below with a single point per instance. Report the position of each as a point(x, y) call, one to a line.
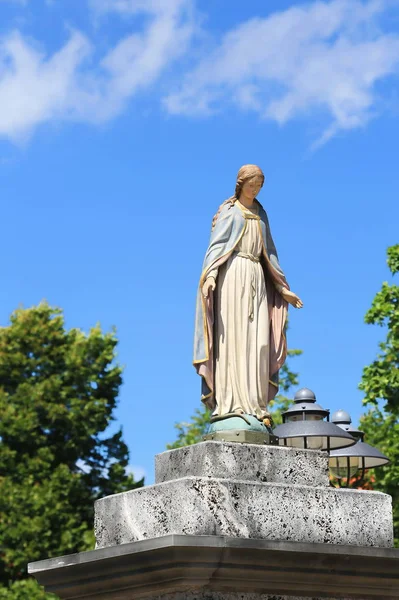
point(244, 462)
point(204, 505)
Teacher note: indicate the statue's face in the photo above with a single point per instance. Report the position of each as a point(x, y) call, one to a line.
point(252, 187)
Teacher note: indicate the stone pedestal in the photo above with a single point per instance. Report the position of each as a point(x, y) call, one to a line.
point(229, 521)
point(245, 491)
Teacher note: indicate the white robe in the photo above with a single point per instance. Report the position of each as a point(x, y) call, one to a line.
point(242, 329)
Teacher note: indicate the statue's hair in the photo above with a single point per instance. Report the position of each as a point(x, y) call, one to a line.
point(246, 173)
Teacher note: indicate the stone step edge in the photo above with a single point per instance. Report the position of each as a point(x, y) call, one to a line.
point(308, 488)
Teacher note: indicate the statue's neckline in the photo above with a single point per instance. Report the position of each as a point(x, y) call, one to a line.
point(253, 211)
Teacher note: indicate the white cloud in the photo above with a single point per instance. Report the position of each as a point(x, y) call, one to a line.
point(130, 7)
point(325, 56)
point(35, 88)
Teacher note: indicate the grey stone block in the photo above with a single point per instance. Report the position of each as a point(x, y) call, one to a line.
point(208, 595)
point(271, 511)
point(221, 568)
point(244, 462)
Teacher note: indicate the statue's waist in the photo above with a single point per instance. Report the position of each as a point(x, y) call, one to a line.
point(247, 255)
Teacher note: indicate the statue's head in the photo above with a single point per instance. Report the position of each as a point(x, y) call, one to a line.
point(250, 180)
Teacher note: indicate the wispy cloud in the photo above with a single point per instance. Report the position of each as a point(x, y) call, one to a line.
point(325, 57)
point(131, 7)
point(322, 58)
point(33, 88)
point(69, 85)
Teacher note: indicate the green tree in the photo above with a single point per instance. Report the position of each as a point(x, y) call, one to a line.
point(380, 384)
point(58, 392)
point(191, 432)
point(26, 589)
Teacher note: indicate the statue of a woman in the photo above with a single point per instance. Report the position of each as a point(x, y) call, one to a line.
point(242, 304)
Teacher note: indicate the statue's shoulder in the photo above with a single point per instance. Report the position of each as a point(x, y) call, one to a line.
point(225, 211)
point(226, 207)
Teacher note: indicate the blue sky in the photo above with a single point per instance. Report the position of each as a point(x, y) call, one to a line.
point(122, 126)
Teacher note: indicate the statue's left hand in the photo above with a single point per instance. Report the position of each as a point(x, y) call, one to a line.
point(291, 298)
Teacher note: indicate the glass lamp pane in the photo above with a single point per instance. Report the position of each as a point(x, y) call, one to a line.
point(292, 418)
point(299, 417)
point(315, 443)
point(295, 442)
point(339, 466)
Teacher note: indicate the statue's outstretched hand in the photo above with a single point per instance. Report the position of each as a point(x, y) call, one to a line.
point(209, 284)
point(291, 298)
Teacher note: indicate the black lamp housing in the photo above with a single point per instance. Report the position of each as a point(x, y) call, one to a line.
point(304, 426)
point(346, 462)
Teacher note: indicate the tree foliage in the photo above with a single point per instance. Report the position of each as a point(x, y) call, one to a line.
point(26, 589)
point(381, 379)
point(58, 391)
point(192, 432)
point(380, 384)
